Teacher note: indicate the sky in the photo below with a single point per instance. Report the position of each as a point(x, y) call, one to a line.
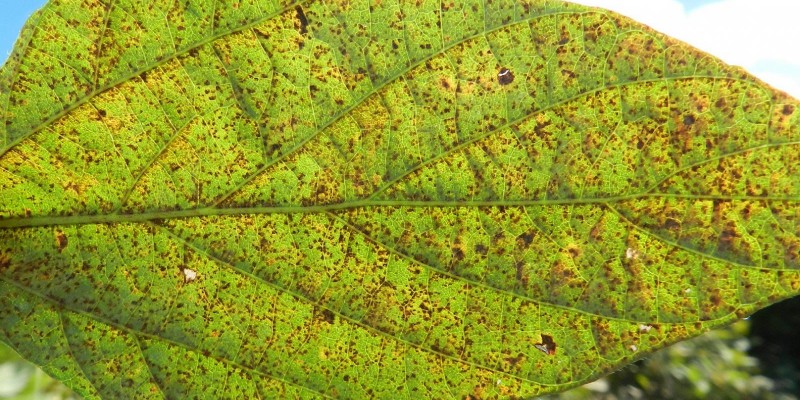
point(761, 36)
point(13, 14)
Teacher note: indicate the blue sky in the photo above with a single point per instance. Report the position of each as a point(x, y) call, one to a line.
point(760, 36)
point(13, 14)
point(690, 5)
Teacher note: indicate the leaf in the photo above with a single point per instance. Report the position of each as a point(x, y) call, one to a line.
point(378, 200)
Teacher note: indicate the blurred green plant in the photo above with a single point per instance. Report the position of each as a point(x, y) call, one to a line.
point(21, 380)
point(715, 365)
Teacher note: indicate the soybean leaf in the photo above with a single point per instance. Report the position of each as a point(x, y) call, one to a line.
point(388, 199)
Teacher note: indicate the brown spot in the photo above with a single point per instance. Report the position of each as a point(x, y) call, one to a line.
point(328, 316)
point(728, 238)
point(458, 254)
point(513, 361)
point(525, 239)
point(596, 232)
point(522, 275)
point(548, 346)
point(505, 76)
point(573, 251)
point(788, 109)
point(672, 224)
point(688, 120)
point(61, 241)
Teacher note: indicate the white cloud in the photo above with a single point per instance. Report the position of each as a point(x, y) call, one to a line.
point(761, 36)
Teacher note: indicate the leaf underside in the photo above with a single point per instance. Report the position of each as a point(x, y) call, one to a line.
point(397, 199)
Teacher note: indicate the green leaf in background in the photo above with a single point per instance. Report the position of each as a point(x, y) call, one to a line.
point(395, 199)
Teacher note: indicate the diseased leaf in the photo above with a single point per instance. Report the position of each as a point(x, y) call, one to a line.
point(396, 199)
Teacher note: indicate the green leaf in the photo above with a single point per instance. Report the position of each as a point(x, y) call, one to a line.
point(397, 199)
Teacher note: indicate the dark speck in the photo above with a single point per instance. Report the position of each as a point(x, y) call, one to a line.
point(458, 254)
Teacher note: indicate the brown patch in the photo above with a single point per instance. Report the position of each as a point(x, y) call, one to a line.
point(328, 316)
point(522, 275)
point(574, 251)
point(61, 241)
point(505, 76)
point(458, 254)
point(513, 361)
point(603, 336)
point(525, 239)
point(301, 16)
point(728, 238)
point(548, 346)
point(5, 262)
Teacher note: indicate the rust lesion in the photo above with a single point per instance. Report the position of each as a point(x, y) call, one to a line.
point(61, 240)
point(5, 261)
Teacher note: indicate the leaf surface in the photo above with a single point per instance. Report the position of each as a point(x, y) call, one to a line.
point(396, 199)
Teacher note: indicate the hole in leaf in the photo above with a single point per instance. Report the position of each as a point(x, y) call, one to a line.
point(548, 346)
point(189, 275)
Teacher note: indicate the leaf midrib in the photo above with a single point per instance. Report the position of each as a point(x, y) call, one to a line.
point(118, 217)
point(111, 218)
